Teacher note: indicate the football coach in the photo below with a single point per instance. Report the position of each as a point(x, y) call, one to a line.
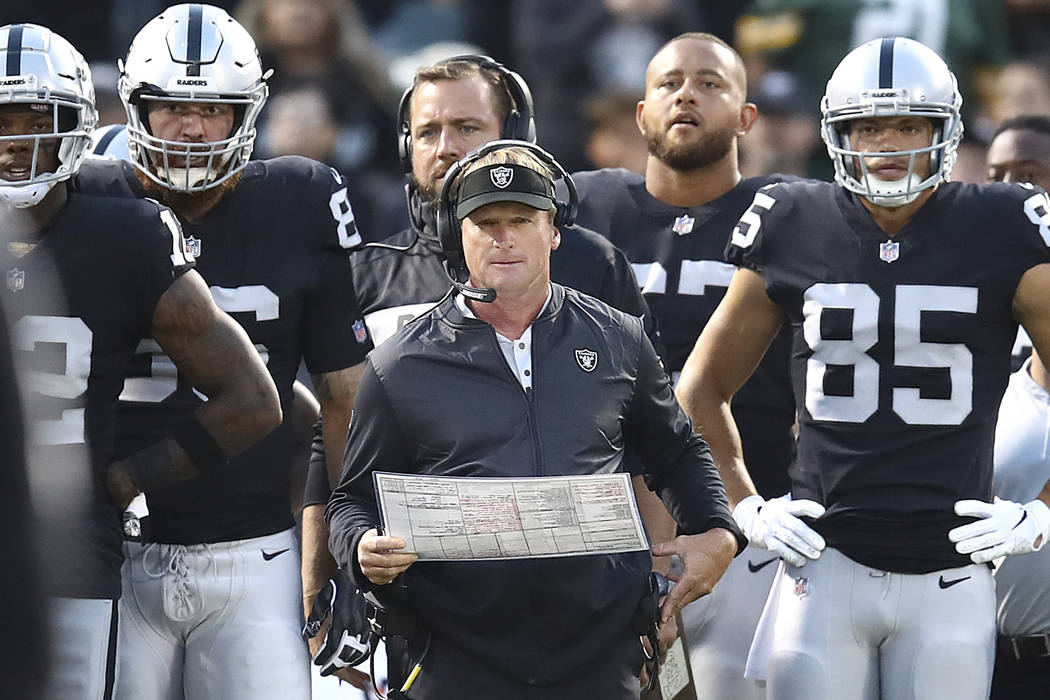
point(512, 375)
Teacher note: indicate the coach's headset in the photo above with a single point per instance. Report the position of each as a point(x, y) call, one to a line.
point(519, 124)
point(496, 183)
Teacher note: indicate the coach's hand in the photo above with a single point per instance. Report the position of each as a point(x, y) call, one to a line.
point(775, 525)
point(379, 559)
point(1004, 528)
point(705, 557)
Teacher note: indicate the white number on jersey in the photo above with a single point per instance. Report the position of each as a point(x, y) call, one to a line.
point(693, 279)
point(71, 383)
point(163, 377)
point(747, 228)
point(1037, 209)
point(909, 350)
point(384, 323)
point(339, 203)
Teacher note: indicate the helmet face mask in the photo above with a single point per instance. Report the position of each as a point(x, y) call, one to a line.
point(193, 54)
point(891, 78)
point(44, 72)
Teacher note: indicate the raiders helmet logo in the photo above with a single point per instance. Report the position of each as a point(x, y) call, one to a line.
point(501, 176)
point(586, 359)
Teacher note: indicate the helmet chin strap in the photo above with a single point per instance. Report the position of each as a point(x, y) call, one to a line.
point(25, 196)
point(892, 193)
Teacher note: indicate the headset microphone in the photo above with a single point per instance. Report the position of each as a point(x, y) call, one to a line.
point(486, 295)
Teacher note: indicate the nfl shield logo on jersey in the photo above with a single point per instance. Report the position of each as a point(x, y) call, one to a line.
point(683, 224)
point(587, 359)
point(501, 176)
point(16, 280)
point(889, 251)
point(360, 332)
point(193, 246)
point(802, 586)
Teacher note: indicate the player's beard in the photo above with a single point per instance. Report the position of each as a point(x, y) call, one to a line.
point(429, 193)
point(711, 148)
point(189, 204)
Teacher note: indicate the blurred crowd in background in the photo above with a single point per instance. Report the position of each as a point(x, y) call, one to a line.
point(340, 66)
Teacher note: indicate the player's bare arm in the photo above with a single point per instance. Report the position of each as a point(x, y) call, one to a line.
point(336, 391)
point(217, 358)
point(304, 414)
point(1033, 312)
point(724, 357)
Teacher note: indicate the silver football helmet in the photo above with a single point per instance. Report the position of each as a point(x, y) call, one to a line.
point(40, 68)
point(192, 53)
point(891, 77)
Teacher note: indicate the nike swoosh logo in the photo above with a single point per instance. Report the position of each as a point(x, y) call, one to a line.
point(948, 584)
point(755, 568)
point(270, 555)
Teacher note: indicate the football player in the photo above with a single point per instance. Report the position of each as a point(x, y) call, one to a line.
point(1020, 152)
point(903, 291)
point(88, 277)
point(215, 610)
point(674, 224)
point(452, 108)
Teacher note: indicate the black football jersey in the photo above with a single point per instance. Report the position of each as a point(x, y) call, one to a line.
point(901, 353)
point(80, 295)
point(678, 256)
point(275, 254)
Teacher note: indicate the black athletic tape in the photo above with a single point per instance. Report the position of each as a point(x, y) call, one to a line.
point(200, 445)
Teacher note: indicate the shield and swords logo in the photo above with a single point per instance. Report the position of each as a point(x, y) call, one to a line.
point(501, 176)
point(586, 359)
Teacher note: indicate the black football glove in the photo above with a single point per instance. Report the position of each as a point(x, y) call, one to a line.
point(350, 639)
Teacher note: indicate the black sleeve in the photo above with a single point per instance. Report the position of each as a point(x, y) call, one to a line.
point(160, 254)
point(334, 333)
point(376, 443)
point(317, 490)
point(678, 464)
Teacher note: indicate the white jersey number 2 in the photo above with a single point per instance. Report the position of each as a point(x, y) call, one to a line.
point(909, 350)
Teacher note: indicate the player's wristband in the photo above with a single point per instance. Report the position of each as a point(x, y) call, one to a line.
point(203, 449)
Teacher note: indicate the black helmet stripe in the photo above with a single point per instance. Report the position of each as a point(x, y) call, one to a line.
point(14, 50)
point(193, 39)
point(886, 64)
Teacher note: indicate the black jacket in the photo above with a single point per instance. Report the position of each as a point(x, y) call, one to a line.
point(440, 399)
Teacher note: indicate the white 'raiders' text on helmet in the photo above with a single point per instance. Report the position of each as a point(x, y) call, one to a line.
point(891, 77)
point(192, 53)
point(41, 69)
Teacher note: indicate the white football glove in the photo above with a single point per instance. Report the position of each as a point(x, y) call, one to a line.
point(1005, 528)
point(774, 525)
